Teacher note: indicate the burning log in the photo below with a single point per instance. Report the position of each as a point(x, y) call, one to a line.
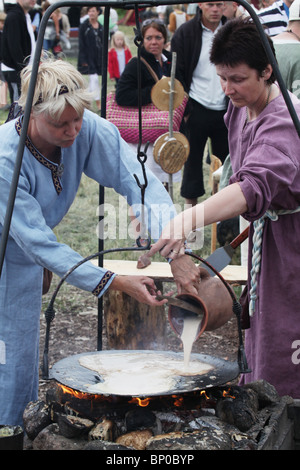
point(103, 431)
point(236, 413)
point(238, 409)
point(73, 426)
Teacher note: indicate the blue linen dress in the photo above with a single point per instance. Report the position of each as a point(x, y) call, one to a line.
point(43, 198)
point(265, 160)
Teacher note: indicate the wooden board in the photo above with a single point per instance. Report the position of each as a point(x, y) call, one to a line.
point(162, 271)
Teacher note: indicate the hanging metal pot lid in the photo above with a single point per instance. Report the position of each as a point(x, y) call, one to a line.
point(160, 94)
point(162, 139)
point(141, 373)
point(171, 151)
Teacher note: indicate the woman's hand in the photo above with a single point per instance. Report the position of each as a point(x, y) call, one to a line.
point(186, 275)
point(141, 288)
point(171, 242)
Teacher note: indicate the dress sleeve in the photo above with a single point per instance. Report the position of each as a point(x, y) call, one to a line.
point(265, 177)
point(31, 233)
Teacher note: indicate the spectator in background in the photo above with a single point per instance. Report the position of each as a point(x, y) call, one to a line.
point(51, 36)
point(191, 10)
point(177, 17)
point(265, 3)
point(232, 10)
point(90, 50)
point(159, 59)
point(207, 103)
point(287, 48)
point(64, 29)
point(276, 17)
point(3, 83)
point(113, 21)
point(36, 17)
point(18, 44)
point(118, 55)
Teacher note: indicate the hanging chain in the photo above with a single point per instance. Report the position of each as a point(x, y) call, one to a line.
point(141, 155)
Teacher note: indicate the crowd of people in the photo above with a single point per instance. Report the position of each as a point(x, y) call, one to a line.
point(233, 100)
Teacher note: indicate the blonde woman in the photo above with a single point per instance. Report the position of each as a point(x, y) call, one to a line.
point(64, 140)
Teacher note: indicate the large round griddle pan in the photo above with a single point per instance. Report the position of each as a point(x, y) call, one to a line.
point(71, 373)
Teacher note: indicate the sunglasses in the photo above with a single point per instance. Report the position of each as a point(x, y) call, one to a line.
point(152, 20)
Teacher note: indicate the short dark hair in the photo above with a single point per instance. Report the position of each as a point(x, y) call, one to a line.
point(239, 41)
point(99, 9)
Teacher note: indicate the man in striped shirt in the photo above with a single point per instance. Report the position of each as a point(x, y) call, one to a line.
point(275, 17)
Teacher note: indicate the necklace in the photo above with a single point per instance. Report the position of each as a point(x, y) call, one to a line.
point(292, 32)
point(267, 102)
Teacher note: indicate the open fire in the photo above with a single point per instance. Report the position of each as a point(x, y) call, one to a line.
point(229, 417)
point(197, 399)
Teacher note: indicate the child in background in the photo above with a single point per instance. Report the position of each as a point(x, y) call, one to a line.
point(118, 55)
point(3, 83)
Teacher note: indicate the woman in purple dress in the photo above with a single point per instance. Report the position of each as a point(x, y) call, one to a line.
point(265, 190)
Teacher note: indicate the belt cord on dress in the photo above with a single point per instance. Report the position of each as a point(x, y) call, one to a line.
point(258, 226)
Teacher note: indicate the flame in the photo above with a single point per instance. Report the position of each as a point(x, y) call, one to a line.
point(73, 392)
point(140, 402)
point(178, 401)
point(203, 393)
point(226, 394)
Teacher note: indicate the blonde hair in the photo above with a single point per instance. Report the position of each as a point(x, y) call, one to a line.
point(121, 35)
point(58, 85)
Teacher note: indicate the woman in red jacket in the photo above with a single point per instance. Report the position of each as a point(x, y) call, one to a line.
point(118, 55)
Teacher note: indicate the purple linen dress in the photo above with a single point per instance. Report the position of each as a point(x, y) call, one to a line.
point(265, 160)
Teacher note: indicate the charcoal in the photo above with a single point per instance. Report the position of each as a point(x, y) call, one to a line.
point(140, 418)
point(36, 417)
point(266, 392)
point(235, 412)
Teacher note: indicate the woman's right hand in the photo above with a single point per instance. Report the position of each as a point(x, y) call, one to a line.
point(141, 288)
point(171, 241)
